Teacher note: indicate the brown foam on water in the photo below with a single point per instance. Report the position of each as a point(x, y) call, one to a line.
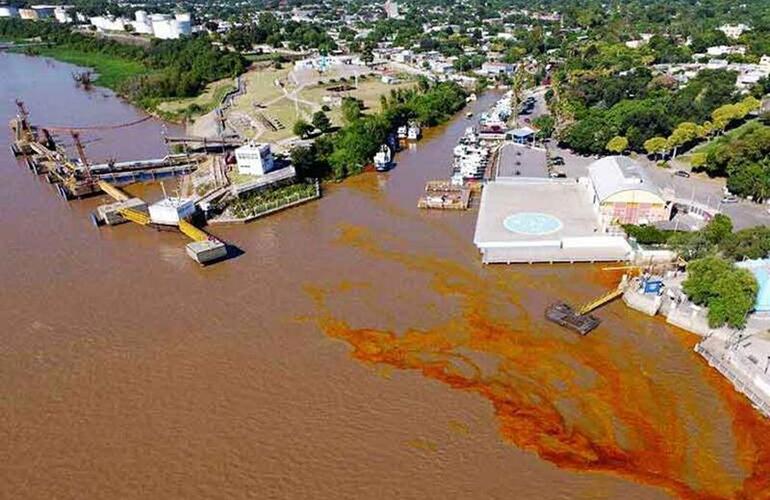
point(620, 421)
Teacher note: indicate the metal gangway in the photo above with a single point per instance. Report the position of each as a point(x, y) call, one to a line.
point(605, 298)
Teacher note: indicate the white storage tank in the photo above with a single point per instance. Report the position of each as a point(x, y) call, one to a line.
point(169, 211)
point(183, 23)
point(8, 11)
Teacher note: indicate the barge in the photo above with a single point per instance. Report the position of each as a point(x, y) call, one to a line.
point(565, 315)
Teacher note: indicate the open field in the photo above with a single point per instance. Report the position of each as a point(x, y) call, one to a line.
point(292, 102)
point(260, 85)
point(369, 90)
point(112, 71)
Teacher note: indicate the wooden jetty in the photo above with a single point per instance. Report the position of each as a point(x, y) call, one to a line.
point(442, 195)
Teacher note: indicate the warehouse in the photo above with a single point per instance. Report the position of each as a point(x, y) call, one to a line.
point(623, 193)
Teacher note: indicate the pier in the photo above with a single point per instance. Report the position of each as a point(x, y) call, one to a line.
point(204, 247)
point(78, 178)
point(445, 196)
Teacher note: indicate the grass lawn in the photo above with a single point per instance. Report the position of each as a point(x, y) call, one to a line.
point(368, 90)
point(207, 101)
point(285, 111)
point(112, 71)
point(261, 89)
point(260, 86)
point(708, 147)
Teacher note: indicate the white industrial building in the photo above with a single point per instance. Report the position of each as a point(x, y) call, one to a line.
point(108, 23)
point(623, 193)
point(391, 9)
point(162, 26)
point(169, 211)
point(36, 12)
point(8, 11)
point(62, 14)
point(254, 158)
point(141, 23)
point(167, 27)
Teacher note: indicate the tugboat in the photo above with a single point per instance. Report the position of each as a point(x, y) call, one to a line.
point(383, 160)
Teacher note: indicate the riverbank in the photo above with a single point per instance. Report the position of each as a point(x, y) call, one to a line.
point(111, 72)
point(146, 76)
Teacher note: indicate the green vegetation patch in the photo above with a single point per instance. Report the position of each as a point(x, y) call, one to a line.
point(728, 292)
point(264, 200)
point(112, 71)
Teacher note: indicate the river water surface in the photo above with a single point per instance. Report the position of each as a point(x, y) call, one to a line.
point(356, 349)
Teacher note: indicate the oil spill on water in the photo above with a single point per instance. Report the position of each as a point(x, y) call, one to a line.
point(577, 404)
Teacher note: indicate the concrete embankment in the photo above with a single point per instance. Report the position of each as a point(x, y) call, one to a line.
point(739, 355)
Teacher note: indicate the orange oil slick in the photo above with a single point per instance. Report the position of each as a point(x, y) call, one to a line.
point(621, 422)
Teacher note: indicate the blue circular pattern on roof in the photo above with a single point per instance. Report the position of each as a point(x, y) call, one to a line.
point(532, 223)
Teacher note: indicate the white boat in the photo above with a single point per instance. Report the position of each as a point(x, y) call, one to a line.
point(383, 160)
point(414, 133)
point(402, 132)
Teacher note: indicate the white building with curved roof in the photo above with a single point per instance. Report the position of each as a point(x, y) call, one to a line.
point(623, 193)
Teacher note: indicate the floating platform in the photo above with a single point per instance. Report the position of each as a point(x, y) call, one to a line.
point(113, 213)
point(206, 251)
point(563, 314)
point(444, 196)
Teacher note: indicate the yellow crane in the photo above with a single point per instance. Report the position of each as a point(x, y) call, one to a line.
point(603, 299)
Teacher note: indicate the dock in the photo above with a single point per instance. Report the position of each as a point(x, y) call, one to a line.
point(442, 195)
point(78, 178)
point(204, 248)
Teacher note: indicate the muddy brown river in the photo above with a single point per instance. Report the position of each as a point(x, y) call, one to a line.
point(356, 349)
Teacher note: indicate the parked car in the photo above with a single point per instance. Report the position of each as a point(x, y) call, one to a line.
point(730, 199)
point(682, 173)
point(557, 160)
point(557, 175)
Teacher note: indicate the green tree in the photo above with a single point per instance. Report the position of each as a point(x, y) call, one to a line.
point(718, 229)
point(302, 128)
point(682, 134)
point(545, 125)
point(724, 115)
point(727, 291)
point(698, 160)
point(617, 144)
point(656, 145)
point(351, 109)
point(750, 179)
point(321, 121)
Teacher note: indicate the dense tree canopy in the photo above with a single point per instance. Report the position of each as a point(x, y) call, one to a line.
point(727, 291)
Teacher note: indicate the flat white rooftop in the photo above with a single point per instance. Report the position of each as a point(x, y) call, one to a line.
point(542, 221)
